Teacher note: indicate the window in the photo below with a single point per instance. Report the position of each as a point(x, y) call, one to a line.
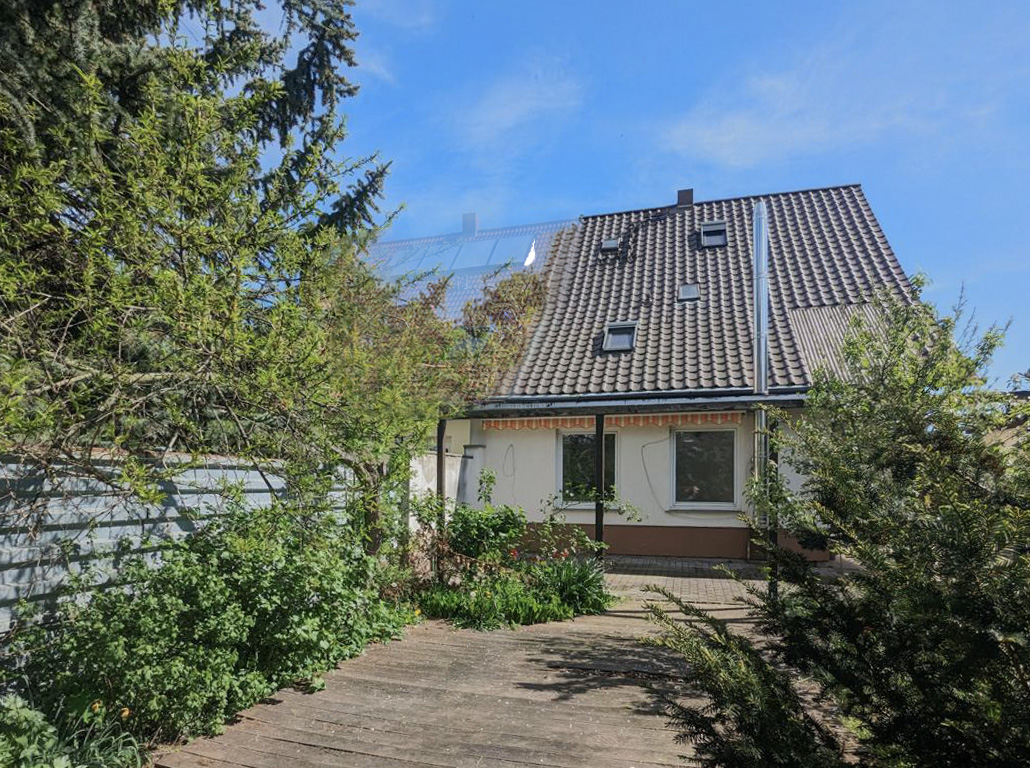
point(619, 337)
point(610, 245)
point(705, 468)
point(576, 470)
point(713, 234)
point(689, 292)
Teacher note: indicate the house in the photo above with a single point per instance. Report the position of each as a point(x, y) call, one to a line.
point(648, 337)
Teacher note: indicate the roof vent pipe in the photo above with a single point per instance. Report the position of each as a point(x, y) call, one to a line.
point(760, 272)
point(767, 516)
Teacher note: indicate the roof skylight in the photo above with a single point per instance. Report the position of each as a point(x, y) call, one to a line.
point(610, 245)
point(619, 337)
point(713, 234)
point(689, 292)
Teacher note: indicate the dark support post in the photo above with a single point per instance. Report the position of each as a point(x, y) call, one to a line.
point(441, 492)
point(599, 485)
point(441, 459)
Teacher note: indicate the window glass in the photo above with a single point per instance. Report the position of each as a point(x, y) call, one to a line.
point(619, 338)
point(704, 466)
point(713, 233)
point(577, 464)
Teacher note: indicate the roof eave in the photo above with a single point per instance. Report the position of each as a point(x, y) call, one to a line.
point(725, 400)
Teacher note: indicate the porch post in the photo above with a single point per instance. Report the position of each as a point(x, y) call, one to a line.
point(599, 486)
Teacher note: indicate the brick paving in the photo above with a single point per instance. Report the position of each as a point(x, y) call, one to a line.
point(691, 579)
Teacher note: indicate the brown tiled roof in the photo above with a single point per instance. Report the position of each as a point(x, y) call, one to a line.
point(827, 254)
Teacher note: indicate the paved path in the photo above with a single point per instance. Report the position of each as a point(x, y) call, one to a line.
point(569, 694)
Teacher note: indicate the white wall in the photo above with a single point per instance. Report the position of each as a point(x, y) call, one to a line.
point(526, 464)
point(791, 478)
point(423, 475)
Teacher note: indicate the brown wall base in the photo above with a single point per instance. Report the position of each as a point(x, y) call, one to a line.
point(669, 541)
point(684, 541)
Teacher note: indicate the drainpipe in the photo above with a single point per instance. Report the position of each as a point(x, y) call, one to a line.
point(760, 293)
point(599, 488)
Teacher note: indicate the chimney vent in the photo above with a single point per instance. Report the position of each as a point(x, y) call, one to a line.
point(469, 224)
point(684, 198)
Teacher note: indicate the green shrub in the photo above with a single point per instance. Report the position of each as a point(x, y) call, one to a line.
point(577, 583)
point(482, 581)
point(493, 602)
point(263, 599)
point(29, 740)
point(491, 531)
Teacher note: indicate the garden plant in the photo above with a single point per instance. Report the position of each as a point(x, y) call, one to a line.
point(182, 276)
point(492, 570)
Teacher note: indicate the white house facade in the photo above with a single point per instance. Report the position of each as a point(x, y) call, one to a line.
point(669, 328)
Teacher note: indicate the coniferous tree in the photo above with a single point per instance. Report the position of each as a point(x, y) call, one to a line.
point(917, 476)
point(290, 68)
point(181, 261)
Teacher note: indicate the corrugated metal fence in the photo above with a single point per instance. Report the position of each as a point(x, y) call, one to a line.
point(56, 523)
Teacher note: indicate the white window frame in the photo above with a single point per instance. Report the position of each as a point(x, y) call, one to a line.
point(559, 460)
point(711, 506)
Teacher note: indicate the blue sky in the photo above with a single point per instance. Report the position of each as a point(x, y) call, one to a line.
point(535, 111)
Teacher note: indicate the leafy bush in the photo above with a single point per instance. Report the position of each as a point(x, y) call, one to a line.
point(491, 531)
point(532, 592)
point(555, 538)
point(29, 740)
point(263, 599)
point(482, 581)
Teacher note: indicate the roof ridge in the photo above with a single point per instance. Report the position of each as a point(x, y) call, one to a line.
point(783, 193)
point(659, 208)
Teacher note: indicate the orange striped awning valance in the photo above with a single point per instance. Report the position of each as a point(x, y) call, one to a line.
point(698, 419)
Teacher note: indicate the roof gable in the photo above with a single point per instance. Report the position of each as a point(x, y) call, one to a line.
point(826, 250)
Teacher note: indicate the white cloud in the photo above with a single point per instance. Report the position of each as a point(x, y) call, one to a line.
point(412, 15)
point(865, 85)
point(519, 106)
point(805, 110)
point(377, 65)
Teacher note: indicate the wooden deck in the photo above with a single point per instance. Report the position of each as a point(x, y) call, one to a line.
point(578, 693)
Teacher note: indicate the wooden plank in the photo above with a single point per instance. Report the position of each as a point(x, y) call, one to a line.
point(542, 747)
point(412, 698)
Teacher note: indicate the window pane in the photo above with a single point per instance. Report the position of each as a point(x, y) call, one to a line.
point(577, 462)
point(704, 466)
point(620, 338)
